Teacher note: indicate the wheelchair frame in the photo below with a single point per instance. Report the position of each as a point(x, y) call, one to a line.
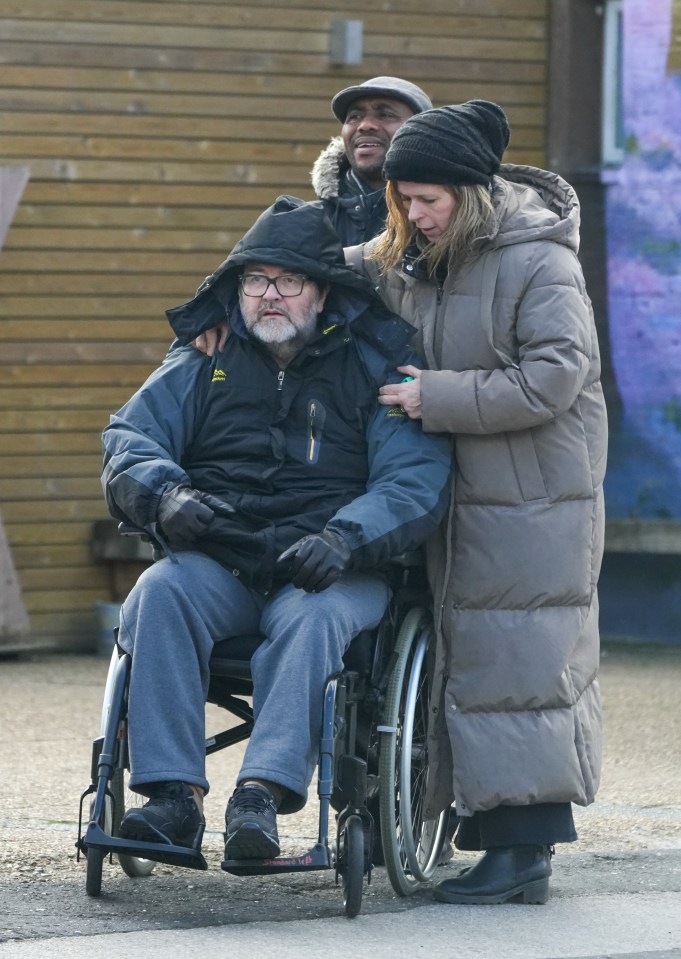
point(373, 752)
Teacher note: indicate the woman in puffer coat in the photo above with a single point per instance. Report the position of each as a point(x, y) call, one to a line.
point(482, 259)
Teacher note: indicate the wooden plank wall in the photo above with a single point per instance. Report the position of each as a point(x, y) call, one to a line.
point(155, 132)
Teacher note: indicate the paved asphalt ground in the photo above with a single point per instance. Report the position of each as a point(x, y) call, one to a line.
point(617, 892)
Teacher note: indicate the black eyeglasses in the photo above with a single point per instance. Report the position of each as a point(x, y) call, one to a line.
point(257, 284)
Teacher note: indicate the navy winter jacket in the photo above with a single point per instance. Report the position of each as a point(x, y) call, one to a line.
point(294, 451)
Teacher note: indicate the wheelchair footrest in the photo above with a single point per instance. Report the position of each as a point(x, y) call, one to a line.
point(96, 838)
point(318, 857)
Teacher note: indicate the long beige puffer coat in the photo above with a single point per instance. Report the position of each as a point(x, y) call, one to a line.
point(513, 374)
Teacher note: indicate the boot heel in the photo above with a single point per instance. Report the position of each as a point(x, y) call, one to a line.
point(535, 893)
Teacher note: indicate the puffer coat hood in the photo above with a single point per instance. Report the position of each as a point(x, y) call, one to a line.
point(291, 233)
point(534, 204)
point(513, 374)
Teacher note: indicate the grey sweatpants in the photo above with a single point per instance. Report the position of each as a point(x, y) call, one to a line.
point(169, 623)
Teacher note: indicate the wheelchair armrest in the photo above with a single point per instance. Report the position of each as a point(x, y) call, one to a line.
point(125, 529)
point(106, 544)
point(407, 576)
point(158, 548)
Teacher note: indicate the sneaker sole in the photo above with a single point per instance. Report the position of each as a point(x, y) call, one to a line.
point(250, 842)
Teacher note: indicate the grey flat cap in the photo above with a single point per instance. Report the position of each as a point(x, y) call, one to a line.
point(412, 95)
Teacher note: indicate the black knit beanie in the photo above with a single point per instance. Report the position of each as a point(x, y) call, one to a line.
point(455, 145)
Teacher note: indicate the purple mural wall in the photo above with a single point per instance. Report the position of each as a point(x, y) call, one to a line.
point(644, 274)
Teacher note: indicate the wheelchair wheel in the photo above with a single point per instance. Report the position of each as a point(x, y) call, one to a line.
point(351, 864)
point(93, 873)
point(411, 844)
point(124, 799)
point(95, 857)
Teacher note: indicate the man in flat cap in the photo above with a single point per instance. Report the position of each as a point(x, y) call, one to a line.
point(348, 174)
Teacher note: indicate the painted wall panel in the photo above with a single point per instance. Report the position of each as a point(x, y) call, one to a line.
point(644, 272)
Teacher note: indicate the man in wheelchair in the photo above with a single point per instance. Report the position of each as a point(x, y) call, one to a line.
point(278, 488)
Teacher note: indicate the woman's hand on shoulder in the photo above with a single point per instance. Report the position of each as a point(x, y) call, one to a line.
point(406, 394)
point(212, 340)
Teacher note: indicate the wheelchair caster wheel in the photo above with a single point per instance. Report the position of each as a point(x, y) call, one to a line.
point(93, 875)
point(135, 867)
point(351, 864)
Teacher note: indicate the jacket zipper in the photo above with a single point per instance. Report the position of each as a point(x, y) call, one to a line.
point(311, 450)
point(316, 417)
point(280, 380)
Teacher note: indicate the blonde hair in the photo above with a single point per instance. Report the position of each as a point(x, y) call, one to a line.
point(472, 218)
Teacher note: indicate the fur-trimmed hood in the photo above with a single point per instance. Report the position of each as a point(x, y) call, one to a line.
point(356, 211)
point(328, 169)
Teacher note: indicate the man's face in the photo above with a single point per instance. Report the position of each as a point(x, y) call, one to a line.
point(370, 124)
point(276, 318)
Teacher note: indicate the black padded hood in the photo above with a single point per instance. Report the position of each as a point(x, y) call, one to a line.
point(293, 234)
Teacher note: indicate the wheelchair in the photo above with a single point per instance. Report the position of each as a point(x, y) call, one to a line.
point(372, 767)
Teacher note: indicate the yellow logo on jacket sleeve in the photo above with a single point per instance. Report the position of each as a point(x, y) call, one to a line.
point(219, 376)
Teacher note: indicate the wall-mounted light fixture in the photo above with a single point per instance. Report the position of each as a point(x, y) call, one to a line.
point(345, 42)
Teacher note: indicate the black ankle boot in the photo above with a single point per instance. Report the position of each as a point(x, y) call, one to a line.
point(504, 874)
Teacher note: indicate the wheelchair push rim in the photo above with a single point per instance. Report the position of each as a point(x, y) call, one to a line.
point(411, 843)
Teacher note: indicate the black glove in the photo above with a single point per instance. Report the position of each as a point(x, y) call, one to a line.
point(317, 561)
point(185, 514)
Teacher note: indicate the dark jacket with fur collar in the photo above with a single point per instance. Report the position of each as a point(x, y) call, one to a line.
point(356, 212)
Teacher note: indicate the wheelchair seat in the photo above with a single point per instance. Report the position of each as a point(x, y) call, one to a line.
point(231, 658)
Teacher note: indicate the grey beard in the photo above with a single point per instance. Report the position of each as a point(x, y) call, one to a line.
point(284, 343)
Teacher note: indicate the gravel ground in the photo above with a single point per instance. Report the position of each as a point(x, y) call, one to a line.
point(49, 713)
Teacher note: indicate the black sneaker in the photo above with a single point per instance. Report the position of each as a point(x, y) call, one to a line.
point(171, 815)
point(251, 824)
